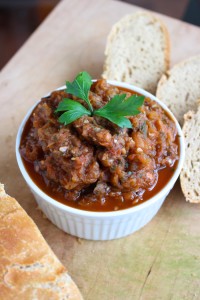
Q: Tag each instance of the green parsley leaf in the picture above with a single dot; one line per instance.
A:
(68, 104)
(116, 110)
(80, 87)
(73, 111)
(119, 120)
(119, 107)
(70, 116)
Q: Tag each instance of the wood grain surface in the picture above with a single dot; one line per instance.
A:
(161, 261)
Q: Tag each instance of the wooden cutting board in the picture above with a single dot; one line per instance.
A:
(161, 261)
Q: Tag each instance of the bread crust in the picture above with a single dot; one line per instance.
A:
(190, 174)
(28, 267)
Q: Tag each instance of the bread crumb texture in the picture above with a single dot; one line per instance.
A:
(180, 87)
(190, 174)
(137, 51)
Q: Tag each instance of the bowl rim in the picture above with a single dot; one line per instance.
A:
(93, 214)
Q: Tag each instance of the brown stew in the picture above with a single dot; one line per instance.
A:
(93, 164)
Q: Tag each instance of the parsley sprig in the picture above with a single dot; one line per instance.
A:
(116, 110)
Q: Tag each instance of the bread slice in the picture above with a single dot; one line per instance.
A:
(29, 270)
(137, 51)
(180, 87)
(190, 174)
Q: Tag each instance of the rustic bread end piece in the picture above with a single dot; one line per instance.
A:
(190, 174)
(28, 267)
(137, 51)
(180, 87)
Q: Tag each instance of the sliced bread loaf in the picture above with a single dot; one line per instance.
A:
(180, 87)
(28, 267)
(137, 51)
(190, 174)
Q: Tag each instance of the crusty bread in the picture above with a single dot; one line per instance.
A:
(137, 51)
(180, 87)
(29, 270)
(190, 174)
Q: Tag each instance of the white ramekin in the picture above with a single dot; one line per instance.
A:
(101, 225)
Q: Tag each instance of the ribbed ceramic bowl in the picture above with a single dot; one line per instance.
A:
(101, 225)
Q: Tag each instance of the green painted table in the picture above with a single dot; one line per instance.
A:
(161, 261)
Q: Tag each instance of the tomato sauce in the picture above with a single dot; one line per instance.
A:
(103, 167)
